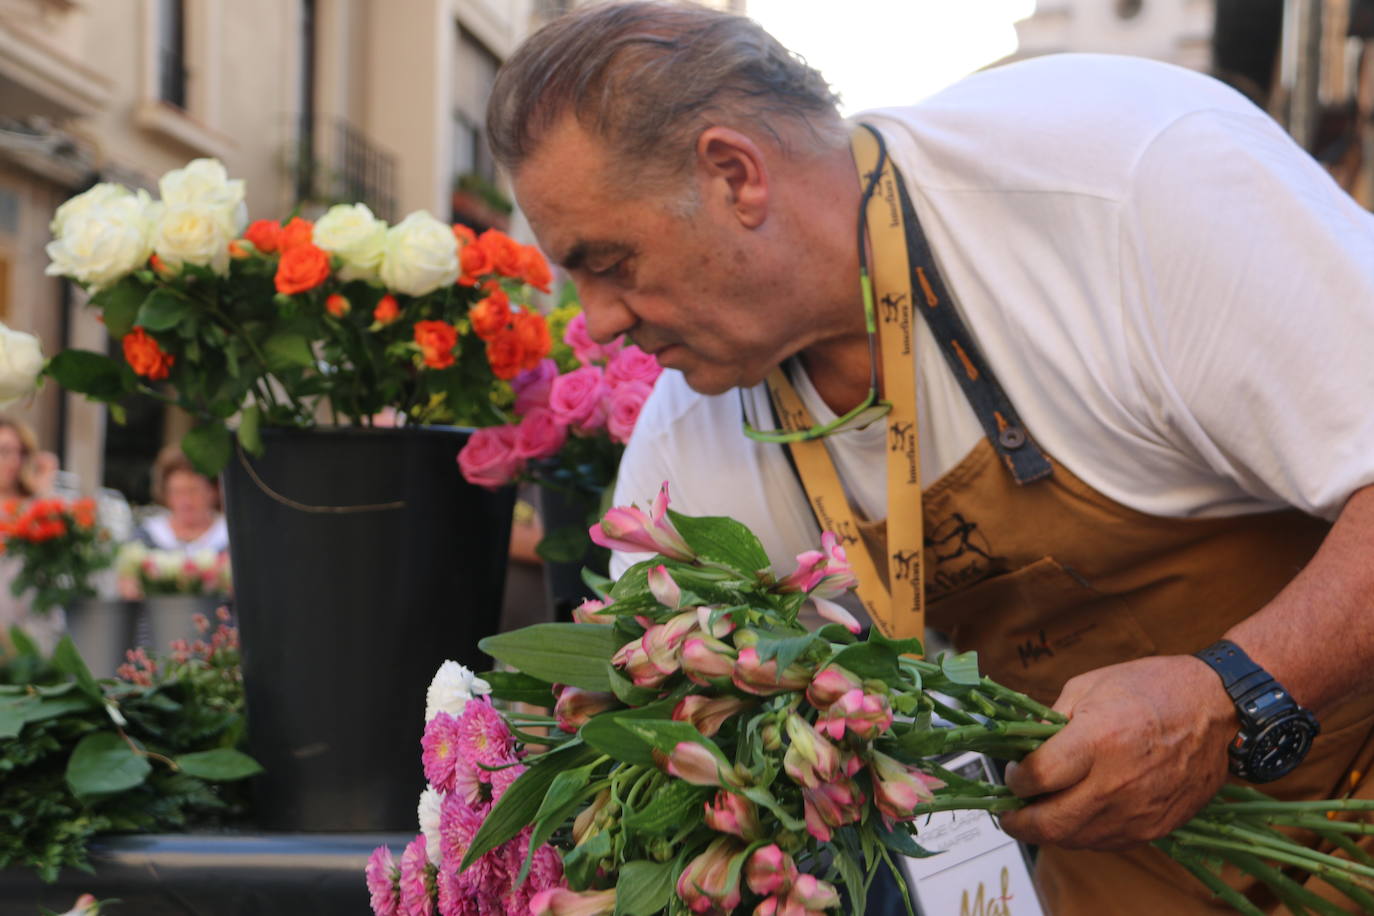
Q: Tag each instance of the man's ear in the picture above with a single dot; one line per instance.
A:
(732, 160)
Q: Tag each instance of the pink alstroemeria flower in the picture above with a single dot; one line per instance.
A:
(734, 814)
(830, 805)
(576, 706)
(664, 589)
(770, 870)
(628, 528)
(824, 573)
(708, 714)
(810, 759)
(707, 661)
(559, 901)
(829, 684)
(813, 894)
(635, 662)
(762, 678)
(707, 885)
(898, 789)
(694, 763)
(867, 715)
(589, 611)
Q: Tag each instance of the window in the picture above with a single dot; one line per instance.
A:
(171, 52)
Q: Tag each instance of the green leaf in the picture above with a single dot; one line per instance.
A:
(869, 660)
(67, 660)
(51, 708)
(564, 796)
(664, 735)
(564, 545)
(220, 765)
(209, 446)
(644, 888)
(599, 584)
(103, 763)
(519, 688)
(961, 668)
(119, 305)
(604, 732)
(288, 350)
(13, 715)
(250, 435)
(560, 653)
(92, 374)
(518, 805)
(900, 842)
(580, 863)
(670, 807)
(625, 690)
(785, 650)
(162, 311)
(721, 540)
(24, 646)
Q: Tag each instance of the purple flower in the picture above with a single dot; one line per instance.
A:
(532, 386)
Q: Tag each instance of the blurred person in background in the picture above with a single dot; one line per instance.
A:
(26, 473)
(192, 522)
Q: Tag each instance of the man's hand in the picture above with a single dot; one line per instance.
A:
(1144, 749)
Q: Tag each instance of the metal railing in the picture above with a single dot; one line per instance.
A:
(336, 163)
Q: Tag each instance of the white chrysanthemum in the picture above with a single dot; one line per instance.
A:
(428, 810)
(452, 687)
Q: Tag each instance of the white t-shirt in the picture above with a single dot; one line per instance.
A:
(214, 538)
(1176, 298)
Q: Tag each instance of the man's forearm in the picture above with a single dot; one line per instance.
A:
(1317, 636)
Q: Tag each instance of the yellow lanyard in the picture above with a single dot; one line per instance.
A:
(899, 610)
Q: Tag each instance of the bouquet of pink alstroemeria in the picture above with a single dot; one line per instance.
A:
(708, 754)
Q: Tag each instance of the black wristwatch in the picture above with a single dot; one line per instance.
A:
(1275, 732)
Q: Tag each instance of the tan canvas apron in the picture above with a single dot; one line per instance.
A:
(1047, 578)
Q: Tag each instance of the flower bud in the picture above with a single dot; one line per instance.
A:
(831, 804)
(664, 589)
(866, 715)
(707, 661)
(772, 736)
(708, 714)
(589, 612)
(634, 660)
(588, 818)
(706, 885)
(810, 759)
(559, 901)
(734, 814)
(694, 763)
(898, 789)
(663, 643)
(829, 684)
(575, 706)
(762, 678)
(770, 870)
(813, 893)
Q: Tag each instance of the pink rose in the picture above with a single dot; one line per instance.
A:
(625, 403)
(540, 434)
(578, 399)
(489, 459)
(532, 386)
(583, 347)
(632, 365)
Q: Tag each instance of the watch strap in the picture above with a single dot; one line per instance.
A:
(1238, 672)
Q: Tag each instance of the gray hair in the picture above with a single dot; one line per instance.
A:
(647, 77)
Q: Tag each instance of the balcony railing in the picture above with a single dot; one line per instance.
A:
(336, 163)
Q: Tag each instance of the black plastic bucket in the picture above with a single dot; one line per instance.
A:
(362, 560)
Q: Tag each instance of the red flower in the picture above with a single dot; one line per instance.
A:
(337, 305)
(533, 332)
(506, 355)
(145, 357)
(302, 268)
(387, 310)
(535, 269)
(475, 262)
(265, 234)
(507, 255)
(296, 233)
(491, 316)
(437, 340)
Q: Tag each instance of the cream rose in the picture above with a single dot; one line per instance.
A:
(103, 239)
(194, 234)
(356, 236)
(21, 359)
(85, 202)
(205, 183)
(421, 255)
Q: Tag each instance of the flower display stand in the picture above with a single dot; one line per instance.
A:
(362, 560)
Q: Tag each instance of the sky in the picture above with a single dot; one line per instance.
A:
(892, 52)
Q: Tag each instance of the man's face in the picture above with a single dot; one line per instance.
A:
(687, 288)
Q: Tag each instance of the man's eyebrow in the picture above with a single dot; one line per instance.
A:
(581, 251)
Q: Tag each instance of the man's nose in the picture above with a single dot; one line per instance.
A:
(608, 315)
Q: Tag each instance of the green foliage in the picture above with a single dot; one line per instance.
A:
(70, 771)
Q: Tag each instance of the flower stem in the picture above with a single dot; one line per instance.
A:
(1226, 892)
(968, 803)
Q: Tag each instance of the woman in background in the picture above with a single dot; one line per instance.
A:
(193, 521)
(25, 474)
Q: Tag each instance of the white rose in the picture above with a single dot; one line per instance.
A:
(130, 558)
(356, 236)
(421, 255)
(452, 687)
(194, 234)
(85, 202)
(21, 359)
(431, 803)
(102, 240)
(205, 183)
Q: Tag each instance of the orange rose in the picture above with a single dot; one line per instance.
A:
(301, 268)
(535, 269)
(145, 357)
(236, 250)
(83, 510)
(533, 332)
(506, 355)
(475, 261)
(464, 234)
(337, 305)
(387, 310)
(505, 252)
(491, 316)
(296, 233)
(437, 340)
(265, 234)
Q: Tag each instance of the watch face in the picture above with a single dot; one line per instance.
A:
(1279, 748)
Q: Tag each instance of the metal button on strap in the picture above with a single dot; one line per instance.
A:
(1012, 437)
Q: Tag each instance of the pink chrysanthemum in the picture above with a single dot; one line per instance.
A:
(467, 782)
(382, 876)
(484, 737)
(440, 746)
(546, 871)
(416, 899)
(458, 824)
(502, 779)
